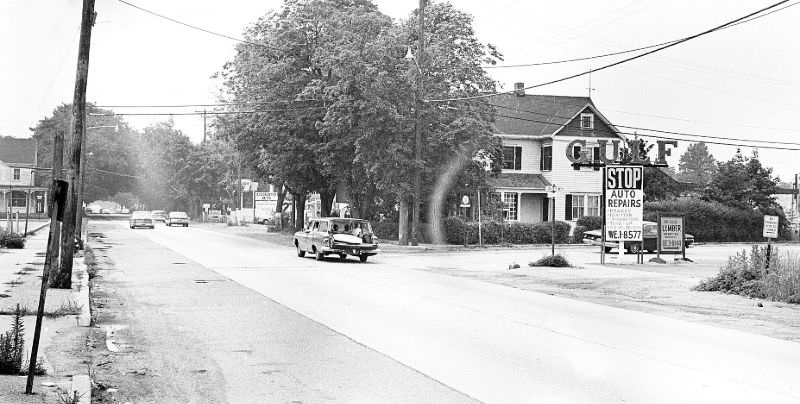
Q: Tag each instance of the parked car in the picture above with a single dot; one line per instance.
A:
(178, 218)
(159, 216)
(141, 218)
(340, 236)
(649, 238)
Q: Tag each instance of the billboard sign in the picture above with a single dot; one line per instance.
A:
(770, 226)
(266, 196)
(624, 202)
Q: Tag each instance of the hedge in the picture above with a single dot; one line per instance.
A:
(456, 229)
(713, 221)
(9, 240)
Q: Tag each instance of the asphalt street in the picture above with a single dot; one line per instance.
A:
(484, 341)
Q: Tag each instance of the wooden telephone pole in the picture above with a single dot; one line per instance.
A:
(415, 230)
(64, 278)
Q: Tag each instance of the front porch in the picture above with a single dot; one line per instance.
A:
(21, 200)
(525, 206)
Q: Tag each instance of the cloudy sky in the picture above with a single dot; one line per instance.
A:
(738, 83)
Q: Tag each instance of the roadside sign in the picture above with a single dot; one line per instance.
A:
(265, 196)
(671, 232)
(624, 203)
(770, 226)
(465, 201)
(552, 191)
(206, 206)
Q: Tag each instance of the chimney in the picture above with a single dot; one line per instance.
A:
(519, 89)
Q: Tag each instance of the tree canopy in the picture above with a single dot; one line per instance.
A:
(743, 182)
(697, 165)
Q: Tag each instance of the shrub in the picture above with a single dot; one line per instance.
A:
(12, 345)
(386, 230)
(747, 276)
(713, 221)
(590, 222)
(551, 261)
(10, 240)
(454, 229)
(577, 234)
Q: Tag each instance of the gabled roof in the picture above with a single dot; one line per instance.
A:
(519, 180)
(538, 115)
(17, 151)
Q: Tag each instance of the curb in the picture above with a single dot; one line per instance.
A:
(458, 247)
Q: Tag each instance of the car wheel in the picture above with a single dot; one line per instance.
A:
(300, 252)
(131, 227)
(186, 225)
(342, 256)
(318, 254)
(363, 258)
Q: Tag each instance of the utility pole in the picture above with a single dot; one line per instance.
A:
(205, 127)
(418, 125)
(79, 215)
(51, 259)
(64, 278)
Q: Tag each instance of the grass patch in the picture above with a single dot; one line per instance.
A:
(12, 345)
(551, 261)
(69, 309)
(91, 261)
(747, 275)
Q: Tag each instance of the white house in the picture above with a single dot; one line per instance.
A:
(18, 191)
(536, 131)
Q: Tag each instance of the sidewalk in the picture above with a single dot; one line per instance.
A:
(61, 339)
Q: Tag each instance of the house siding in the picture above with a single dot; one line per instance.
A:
(531, 154)
(601, 130)
(7, 175)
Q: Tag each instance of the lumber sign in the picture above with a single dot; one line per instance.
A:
(624, 199)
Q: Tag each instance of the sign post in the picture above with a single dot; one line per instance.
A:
(624, 203)
(552, 192)
(770, 232)
(465, 204)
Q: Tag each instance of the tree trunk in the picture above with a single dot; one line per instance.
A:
(299, 211)
(279, 205)
(402, 225)
(326, 200)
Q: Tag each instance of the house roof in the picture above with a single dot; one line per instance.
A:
(535, 115)
(518, 180)
(539, 115)
(17, 151)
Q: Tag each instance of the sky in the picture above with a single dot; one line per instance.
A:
(738, 83)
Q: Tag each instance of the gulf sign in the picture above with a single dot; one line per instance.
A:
(624, 202)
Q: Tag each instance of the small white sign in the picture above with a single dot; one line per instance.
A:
(206, 206)
(671, 234)
(770, 226)
(465, 201)
(265, 196)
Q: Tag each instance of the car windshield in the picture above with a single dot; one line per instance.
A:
(159, 212)
(351, 226)
(141, 215)
(178, 214)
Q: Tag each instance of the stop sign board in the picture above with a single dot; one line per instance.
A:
(624, 202)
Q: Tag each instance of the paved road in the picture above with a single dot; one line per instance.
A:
(500, 344)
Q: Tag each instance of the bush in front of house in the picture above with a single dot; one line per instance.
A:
(551, 261)
(713, 221)
(10, 240)
(454, 229)
(747, 275)
(577, 234)
(590, 222)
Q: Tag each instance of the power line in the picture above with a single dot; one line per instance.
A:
(705, 122)
(628, 50)
(717, 28)
(213, 112)
(662, 137)
(225, 104)
(196, 27)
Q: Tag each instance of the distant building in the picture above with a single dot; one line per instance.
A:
(18, 193)
(536, 131)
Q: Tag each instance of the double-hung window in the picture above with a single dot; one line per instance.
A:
(547, 159)
(593, 205)
(577, 206)
(512, 158)
(16, 174)
(587, 121)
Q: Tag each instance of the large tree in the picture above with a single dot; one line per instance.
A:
(743, 182)
(350, 120)
(697, 165)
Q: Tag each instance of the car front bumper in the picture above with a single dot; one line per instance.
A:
(351, 249)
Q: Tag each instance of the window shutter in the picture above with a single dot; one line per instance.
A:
(517, 158)
(541, 158)
(568, 207)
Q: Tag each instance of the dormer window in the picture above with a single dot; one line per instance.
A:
(587, 121)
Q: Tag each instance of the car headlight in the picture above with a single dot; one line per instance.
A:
(326, 241)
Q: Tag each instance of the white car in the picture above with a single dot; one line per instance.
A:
(177, 218)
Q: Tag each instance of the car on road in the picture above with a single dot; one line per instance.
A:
(337, 236)
(178, 219)
(159, 216)
(141, 218)
(649, 237)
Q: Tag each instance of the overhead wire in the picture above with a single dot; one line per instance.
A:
(706, 32)
(196, 27)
